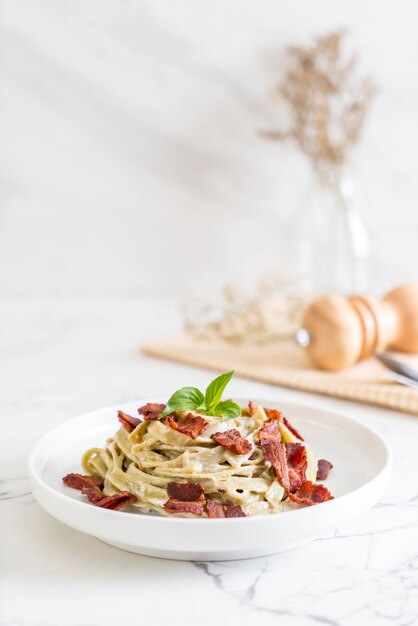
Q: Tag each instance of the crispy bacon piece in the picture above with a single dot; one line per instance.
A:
(297, 463)
(181, 506)
(151, 411)
(269, 440)
(273, 414)
(117, 501)
(289, 461)
(232, 440)
(128, 422)
(93, 494)
(216, 510)
(292, 428)
(78, 481)
(310, 494)
(90, 486)
(233, 510)
(190, 425)
(186, 492)
(185, 498)
(324, 468)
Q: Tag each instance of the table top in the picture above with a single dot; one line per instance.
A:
(61, 359)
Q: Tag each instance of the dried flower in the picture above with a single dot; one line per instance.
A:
(270, 313)
(327, 105)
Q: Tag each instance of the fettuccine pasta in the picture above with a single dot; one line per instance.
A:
(146, 460)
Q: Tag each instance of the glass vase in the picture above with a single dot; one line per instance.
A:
(331, 242)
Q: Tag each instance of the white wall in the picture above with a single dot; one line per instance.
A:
(130, 160)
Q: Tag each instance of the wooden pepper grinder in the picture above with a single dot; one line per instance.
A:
(337, 332)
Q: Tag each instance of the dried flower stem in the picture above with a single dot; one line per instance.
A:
(267, 315)
(328, 107)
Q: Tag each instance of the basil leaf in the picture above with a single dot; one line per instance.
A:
(215, 390)
(228, 410)
(190, 398)
(184, 399)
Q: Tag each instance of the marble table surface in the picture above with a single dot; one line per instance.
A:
(61, 359)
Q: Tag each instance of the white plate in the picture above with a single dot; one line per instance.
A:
(361, 458)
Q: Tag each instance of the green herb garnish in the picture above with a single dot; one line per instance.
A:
(191, 399)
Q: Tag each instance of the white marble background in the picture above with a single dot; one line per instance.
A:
(129, 141)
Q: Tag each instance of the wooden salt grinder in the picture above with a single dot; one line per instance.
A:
(337, 332)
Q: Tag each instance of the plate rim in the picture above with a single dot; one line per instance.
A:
(36, 479)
